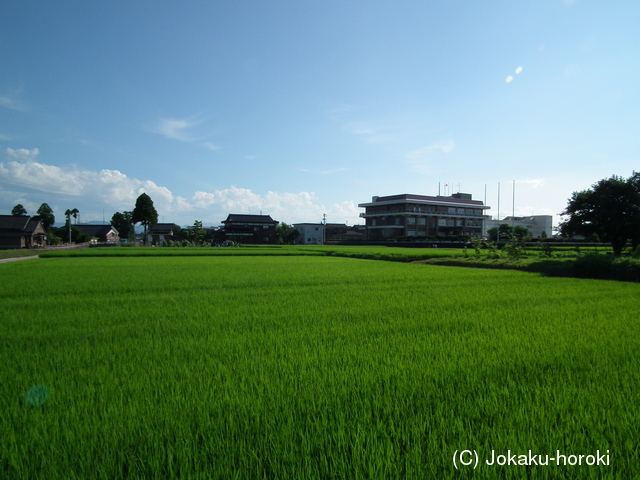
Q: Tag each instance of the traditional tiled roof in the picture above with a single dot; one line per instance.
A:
(96, 230)
(241, 218)
(14, 223)
(162, 229)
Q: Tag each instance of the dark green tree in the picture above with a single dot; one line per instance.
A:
(520, 233)
(196, 234)
(71, 213)
(286, 234)
(123, 222)
(145, 213)
(46, 217)
(18, 211)
(609, 211)
(71, 233)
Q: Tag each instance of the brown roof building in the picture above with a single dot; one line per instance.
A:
(252, 229)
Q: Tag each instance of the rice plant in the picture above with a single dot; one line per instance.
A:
(310, 367)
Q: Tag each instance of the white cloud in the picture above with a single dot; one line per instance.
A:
(184, 130)
(422, 159)
(12, 101)
(211, 146)
(511, 78)
(23, 153)
(92, 192)
(175, 129)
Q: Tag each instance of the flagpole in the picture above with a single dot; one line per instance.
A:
(498, 218)
(513, 215)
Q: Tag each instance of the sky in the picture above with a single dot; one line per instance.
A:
(299, 108)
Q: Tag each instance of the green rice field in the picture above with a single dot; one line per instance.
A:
(306, 366)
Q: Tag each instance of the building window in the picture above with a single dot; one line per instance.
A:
(422, 221)
(397, 220)
(411, 221)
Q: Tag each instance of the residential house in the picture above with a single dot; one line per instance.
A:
(407, 215)
(100, 233)
(161, 232)
(21, 232)
(250, 229)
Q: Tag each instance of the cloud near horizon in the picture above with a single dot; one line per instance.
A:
(92, 192)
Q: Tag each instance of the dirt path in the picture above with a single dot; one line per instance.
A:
(6, 260)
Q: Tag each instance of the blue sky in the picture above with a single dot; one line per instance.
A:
(300, 107)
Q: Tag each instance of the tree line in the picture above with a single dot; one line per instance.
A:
(607, 212)
(143, 213)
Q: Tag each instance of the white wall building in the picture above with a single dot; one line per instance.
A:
(309, 233)
(536, 224)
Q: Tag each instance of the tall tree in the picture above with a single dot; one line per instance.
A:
(18, 211)
(609, 211)
(71, 213)
(286, 234)
(196, 233)
(145, 213)
(123, 222)
(46, 217)
(67, 224)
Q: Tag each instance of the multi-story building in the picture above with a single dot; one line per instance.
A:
(409, 215)
(309, 233)
(254, 229)
(538, 225)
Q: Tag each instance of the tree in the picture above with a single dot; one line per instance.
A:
(286, 234)
(18, 211)
(72, 233)
(123, 222)
(67, 224)
(196, 234)
(520, 233)
(145, 213)
(609, 211)
(46, 217)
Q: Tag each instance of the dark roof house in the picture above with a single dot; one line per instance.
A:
(21, 232)
(100, 233)
(253, 229)
(161, 232)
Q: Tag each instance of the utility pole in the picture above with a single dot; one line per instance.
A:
(324, 225)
